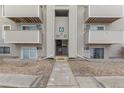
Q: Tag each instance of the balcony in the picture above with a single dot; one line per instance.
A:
(23, 13)
(103, 13)
(23, 37)
(103, 37)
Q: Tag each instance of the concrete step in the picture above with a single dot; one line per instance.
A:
(61, 58)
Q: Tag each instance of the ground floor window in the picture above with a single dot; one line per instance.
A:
(4, 50)
(97, 53)
(29, 53)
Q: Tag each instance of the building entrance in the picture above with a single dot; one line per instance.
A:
(61, 47)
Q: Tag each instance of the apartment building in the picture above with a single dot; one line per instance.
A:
(47, 31)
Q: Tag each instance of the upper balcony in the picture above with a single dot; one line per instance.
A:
(23, 37)
(103, 13)
(103, 37)
(23, 13)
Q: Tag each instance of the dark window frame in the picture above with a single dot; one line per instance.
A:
(96, 53)
(4, 50)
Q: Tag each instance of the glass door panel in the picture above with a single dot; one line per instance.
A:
(25, 53)
(29, 53)
(33, 53)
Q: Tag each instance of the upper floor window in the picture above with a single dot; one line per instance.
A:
(6, 27)
(31, 27)
(101, 27)
(97, 27)
(4, 50)
(28, 27)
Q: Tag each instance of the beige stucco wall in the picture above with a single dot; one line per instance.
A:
(44, 30)
(21, 11)
(50, 26)
(61, 22)
(115, 51)
(105, 11)
(117, 25)
(86, 13)
(0, 10)
(72, 31)
(80, 31)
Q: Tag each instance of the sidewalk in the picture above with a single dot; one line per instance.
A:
(62, 76)
(19, 80)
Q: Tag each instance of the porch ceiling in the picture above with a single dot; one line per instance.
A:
(25, 19)
(101, 20)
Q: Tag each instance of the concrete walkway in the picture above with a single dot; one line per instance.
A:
(111, 81)
(101, 82)
(19, 80)
(88, 82)
(62, 76)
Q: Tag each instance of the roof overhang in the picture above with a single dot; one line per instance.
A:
(26, 19)
(101, 19)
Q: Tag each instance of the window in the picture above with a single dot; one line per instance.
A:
(100, 28)
(29, 27)
(4, 50)
(97, 53)
(97, 27)
(6, 27)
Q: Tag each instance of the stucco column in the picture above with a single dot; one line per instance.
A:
(50, 40)
(73, 31)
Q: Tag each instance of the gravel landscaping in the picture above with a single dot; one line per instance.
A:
(86, 68)
(40, 67)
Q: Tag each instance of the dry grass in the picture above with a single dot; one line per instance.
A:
(85, 68)
(43, 67)
(31, 68)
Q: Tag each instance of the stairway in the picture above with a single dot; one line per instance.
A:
(61, 58)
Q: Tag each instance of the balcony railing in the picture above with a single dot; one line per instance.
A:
(103, 37)
(23, 37)
(23, 13)
(103, 13)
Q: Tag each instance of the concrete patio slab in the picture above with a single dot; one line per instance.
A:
(61, 76)
(87, 82)
(17, 80)
(111, 81)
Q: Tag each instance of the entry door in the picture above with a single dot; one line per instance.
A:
(29, 53)
(62, 47)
